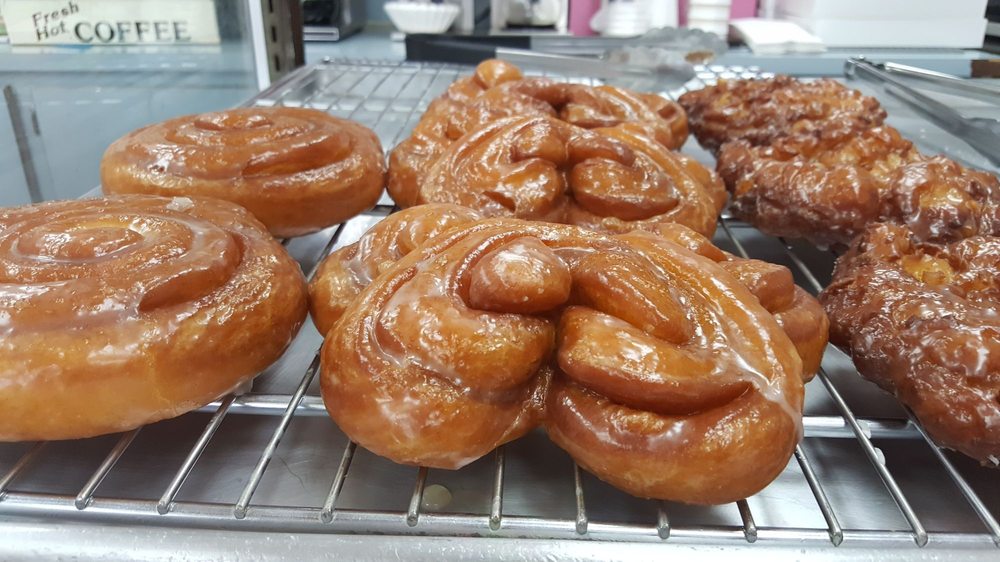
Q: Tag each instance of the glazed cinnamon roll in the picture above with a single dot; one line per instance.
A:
(920, 320)
(761, 110)
(297, 170)
(122, 311)
(691, 394)
(539, 168)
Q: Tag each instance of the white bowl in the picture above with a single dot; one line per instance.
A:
(410, 17)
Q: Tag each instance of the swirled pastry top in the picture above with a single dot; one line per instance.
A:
(798, 313)
(829, 185)
(613, 179)
(297, 170)
(498, 90)
(669, 379)
(448, 118)
(346, 272)
(921, 321)
(607, 106)
(121, 311)
(761, 110)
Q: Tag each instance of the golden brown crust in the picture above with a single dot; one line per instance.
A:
(941, 200)
(449, 117)
(829, 185)
(124, 311)
(487, 74)
(297, 170)
(344, 273)
(920, 320)
(798, 313)
(761, 110)
(497, 90)
(540, 168)
(607, 106)
(450, 352)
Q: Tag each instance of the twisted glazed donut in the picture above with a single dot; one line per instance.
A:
(498, 90)
(539, 168)
(297, 170)
(829, 185)
(346, 272)
(761, 110)
(668, 378)
(123, 311)
(920, 320)
(798, 313)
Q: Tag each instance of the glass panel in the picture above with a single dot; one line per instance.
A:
(64, 104)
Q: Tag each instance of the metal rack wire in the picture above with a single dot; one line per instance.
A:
(389, 97)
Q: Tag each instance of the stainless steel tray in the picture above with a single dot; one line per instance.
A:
(265, 473)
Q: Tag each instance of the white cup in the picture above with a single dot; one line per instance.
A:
(709, 15)
(625, 18)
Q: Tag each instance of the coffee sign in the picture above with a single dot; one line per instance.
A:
(110, 22)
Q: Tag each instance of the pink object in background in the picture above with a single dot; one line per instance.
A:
(580, 12)
(738, 9)
(743, 9)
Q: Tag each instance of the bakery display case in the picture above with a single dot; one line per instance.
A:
(64, 103)
(264, 472)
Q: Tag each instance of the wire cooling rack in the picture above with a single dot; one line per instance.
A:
(865, 481)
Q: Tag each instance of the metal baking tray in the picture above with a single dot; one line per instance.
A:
(265, 473)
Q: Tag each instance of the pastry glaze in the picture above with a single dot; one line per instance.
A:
(658, 371)
(297, 170)
(607, 106)
(798, 313)
(448, 118)
(123, 311)
(346, 272)
(610, 179)
(920, 320)
(498, 90)
(829, 185)
(761, 110)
